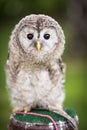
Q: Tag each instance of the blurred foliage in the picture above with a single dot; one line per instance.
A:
(77, 14)
(10, 8)
(76, 75)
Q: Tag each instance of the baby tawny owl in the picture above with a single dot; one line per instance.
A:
(34, 69)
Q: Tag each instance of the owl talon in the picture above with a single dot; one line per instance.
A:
(26, 109)
(55, 107)
(15, 110)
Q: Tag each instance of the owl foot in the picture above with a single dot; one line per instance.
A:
(15, 110)
(27, 109)
(55, 107)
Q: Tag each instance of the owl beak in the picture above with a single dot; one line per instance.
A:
(38, 45)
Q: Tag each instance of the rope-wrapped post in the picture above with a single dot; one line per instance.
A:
(39, 119)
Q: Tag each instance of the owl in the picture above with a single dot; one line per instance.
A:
(35, 72)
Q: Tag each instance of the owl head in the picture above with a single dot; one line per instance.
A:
(39, 37)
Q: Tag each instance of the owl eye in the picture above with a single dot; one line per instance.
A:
(46, 36)
(30, 36)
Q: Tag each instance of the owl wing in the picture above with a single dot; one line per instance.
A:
(62, 66)
(56, 70)
(11, 67)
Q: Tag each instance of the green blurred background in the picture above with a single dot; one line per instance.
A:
(72, 16)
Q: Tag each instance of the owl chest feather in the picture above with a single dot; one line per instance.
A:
(41, 80)
(36, 85)
(38, 80)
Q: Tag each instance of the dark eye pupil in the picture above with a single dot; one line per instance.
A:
(29, 36)
(46, 36)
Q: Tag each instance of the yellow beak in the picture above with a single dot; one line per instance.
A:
(38, 45)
